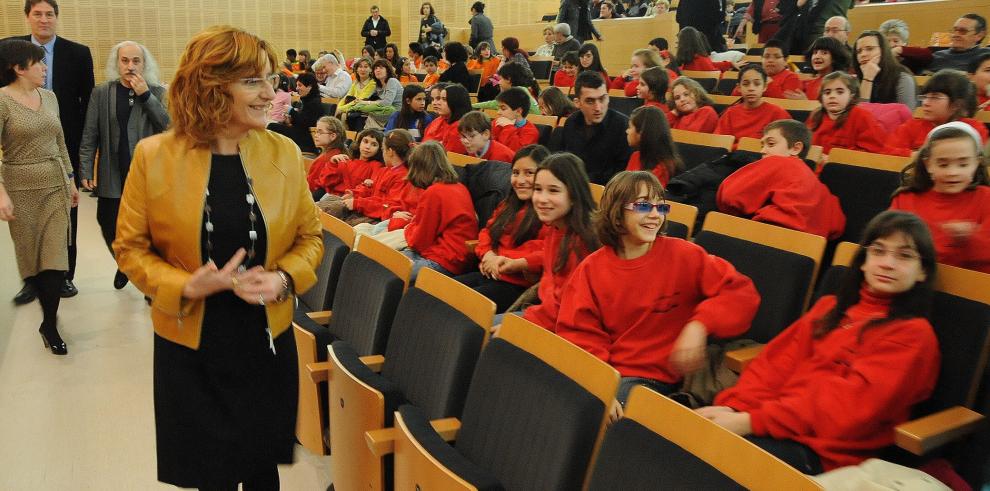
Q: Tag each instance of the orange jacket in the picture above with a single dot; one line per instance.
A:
(158, 230)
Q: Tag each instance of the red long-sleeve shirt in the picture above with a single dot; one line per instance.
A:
(385, 198)
(409, 201)
(531, 250)
(445, 133)
(515, 137)
(839, 395)
(740, 121)
(859, 132)
(911, 134)
(444, 220)
(629, 86)
(783, 191)
(703, 120)
(326, 174)
(659, 170)
(936, 209)
(705, 64)
(357, 170)
(812, 87)
(676, 282)
(552, 283)
(562, 79)
(499, 152)
(663, 108)
(782, 82)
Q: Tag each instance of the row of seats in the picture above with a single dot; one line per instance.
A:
(493, 441)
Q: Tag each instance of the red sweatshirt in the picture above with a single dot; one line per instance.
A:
(531, 250)
(839, 395)
(357, 170)
(499, 152)
(705, 64)
(782, 191)
(812, 87)
(740, 121)
(326, 174)
(662, 107)
(515, 137)
(704, 120)
(659, 170)
(445, 133)
(561, 79)
(911, 134)
(444, 220)
(629, 86)
(386, 193)
(782, 82)
(408, 201)
(937, 209)
(859, 132)
(551, 283)
(676, 282)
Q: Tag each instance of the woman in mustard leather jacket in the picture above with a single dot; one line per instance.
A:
(217, 227)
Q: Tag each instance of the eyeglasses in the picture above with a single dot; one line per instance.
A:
(902, 255)
(257, 82)
(932, 97)
(646, 207)
(835, 30)
(962, 30)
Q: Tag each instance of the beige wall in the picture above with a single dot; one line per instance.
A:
(166, 25)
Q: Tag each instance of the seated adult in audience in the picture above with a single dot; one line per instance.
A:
(979, 74)
(336, 81)
(512, 53)
(947, 96)
(829, 390)
(838, 28)
(393, 57)
(607, 11)
(827, 55)
(546, 49)
(553, 102)
(913, 58)
(881, 78)
(564, 41)
(457, 56)
(362, 88)
(658, 7)
(303, 115)
(597, 134)
(967, 34)
(634, 8)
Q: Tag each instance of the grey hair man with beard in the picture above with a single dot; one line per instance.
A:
(128, 107)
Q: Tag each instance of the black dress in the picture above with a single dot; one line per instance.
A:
(228, 409)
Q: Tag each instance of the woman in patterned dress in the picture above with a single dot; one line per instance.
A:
(36, 181)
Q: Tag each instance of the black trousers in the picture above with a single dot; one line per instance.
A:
(73, 218)
(106, 216)
(502, 293)
(791, 452)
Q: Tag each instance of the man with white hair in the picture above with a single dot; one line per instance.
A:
(838, 28)
(565, 42)
(122, 111)
(333, 80)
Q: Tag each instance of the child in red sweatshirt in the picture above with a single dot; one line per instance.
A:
(945, 97)
(564, 78)
(655, 151)
(692, 53)
(326, 176)
(453, 103)
(780, 188)
(357, 168)
(444, 218)
(562, 200)
(840, 122)
(784, 84)
(950, 191)
(693, 109)
(652, 89)
(641, 60)
(370, 204)
(511, 128)
(476, 135)
(510, 246)
(979, 73)
(647, 304)
(829, 390)
(751, 114)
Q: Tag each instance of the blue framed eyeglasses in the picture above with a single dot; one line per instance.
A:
(646, 207)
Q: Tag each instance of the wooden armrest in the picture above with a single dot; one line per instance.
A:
(924, 434)
(374, 362)
(736, 360)
(319, 372)
(322, 318)
(382, 442)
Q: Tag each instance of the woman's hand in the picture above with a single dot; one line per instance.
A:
(689, 349)
(257, 286)
(340, 157)
(6, 206)
(738, 423)
(74, 192)
(207, 279)
(88, 184)
(871, 68)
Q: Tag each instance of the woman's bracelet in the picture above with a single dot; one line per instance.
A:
(286, 286)
(870, 80)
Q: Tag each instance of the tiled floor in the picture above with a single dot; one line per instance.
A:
(85, 421)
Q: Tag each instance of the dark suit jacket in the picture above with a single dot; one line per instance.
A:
(72, 83)
(379, 41)
(603, 147)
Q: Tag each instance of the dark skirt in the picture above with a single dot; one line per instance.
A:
(228, 409)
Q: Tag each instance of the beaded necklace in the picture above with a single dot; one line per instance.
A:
(252, 216)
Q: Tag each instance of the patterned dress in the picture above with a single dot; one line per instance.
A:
(34, 170)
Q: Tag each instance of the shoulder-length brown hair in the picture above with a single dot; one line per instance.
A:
(199, 97)
(428, 164)
(624, 188)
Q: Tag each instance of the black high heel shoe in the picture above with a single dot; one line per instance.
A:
(53, 341)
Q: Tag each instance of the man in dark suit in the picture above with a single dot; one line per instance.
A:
(70, 76)
(375, 29)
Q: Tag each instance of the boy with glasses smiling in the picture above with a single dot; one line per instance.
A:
(967, 34)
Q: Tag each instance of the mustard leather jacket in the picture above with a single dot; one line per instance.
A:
(161, 216)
